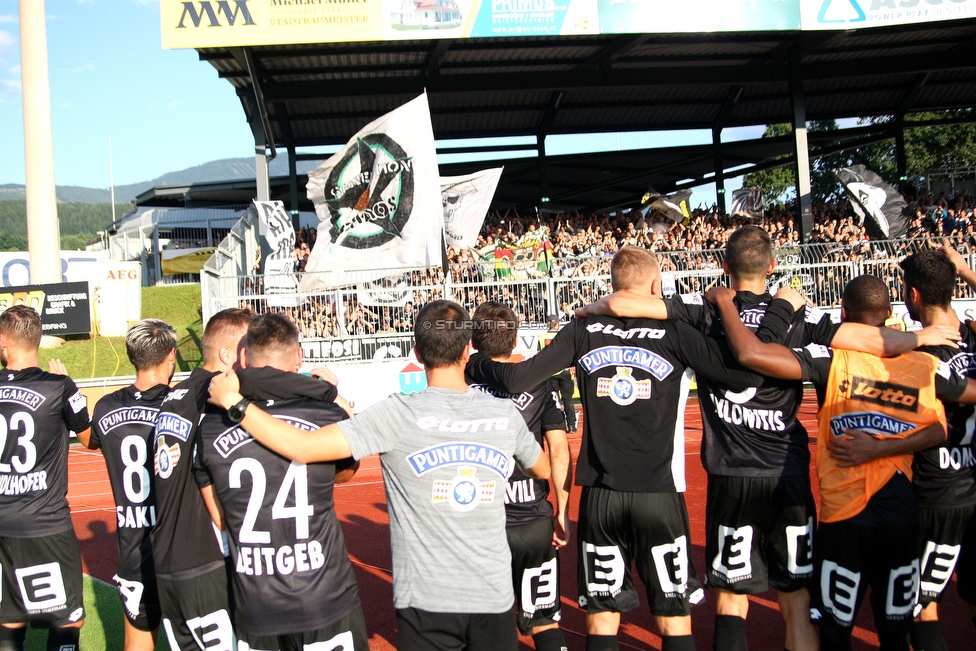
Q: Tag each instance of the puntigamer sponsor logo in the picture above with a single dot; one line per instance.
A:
(215, 13)
(173, 425)
(887, 394)
(460, 453)
(30, 399)
(127, 416)
(871, 422)
(629, 356)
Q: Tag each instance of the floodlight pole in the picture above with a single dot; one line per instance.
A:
(803, 191)
(719, 170)
(43, 229)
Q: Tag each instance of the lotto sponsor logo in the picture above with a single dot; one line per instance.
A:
(462, 426)
(887, 394)
(632, 333)
(173, 425)
(869, 421)
(30, 399)
(287, 559)
(32, 482)
(127, 416)
(176, 394)
(606, 356)
(460, 453)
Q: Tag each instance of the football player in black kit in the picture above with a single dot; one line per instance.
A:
(122, 426)
(39, 558)
(760, 512)
(634, 376)
(294, 586)
(944, 476)
(191, 575)
(533, 535)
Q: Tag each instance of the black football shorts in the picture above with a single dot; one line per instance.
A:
(41, 581)
(948, 543)
(759, 532)
(616, 527)
(535, 573)
(347, 634)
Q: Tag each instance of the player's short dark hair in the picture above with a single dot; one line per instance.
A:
(631, 266)
(495, 329)
(269, 333)
(442, 330)
(749, 252)
(149, 342)
(866, 300)
(932, 273)
(23, 324)
(234, 318)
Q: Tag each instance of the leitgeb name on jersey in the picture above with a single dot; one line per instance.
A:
(632, 356)
(31, 482)
(30, 399)
(127, 416)
(871, 422)
(284, 560)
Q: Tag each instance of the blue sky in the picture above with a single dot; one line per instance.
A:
(165, 110)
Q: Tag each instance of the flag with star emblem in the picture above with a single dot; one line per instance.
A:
(379, 201)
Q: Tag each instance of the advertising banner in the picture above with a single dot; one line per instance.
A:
(185, 261)
(64, 307)
(855, 14)
(15, 265)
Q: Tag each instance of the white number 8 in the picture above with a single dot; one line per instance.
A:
(135, 477)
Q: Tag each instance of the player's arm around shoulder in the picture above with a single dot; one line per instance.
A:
(626, 304)
(324, 444)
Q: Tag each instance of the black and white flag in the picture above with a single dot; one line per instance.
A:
(882, 210)
(379, 201)
(276, 229)
(466, 200)
(747, 202)
(674, 207)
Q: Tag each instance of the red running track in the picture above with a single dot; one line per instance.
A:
(361, 506)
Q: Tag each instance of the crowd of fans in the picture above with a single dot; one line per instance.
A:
(582, 245)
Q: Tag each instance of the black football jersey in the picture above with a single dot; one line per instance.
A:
(753, 433)
(292, 572)
(945, 476)
(184, 540)
(633, 377)
(37, 410)
(527, 499)
(122, 426)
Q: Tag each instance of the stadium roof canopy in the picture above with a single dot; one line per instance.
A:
(306, 95)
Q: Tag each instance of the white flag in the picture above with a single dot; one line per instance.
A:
(274, 225)
(378, 199)
(466, 201)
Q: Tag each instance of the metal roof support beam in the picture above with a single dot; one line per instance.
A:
(436, 56)
(261, 128)
(540, 141)
(801, 150)
(900, 160)
(719, 170)
(293, 186)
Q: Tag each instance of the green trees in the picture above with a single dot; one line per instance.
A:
(80, 223)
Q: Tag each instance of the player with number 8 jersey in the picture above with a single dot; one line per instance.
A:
(122, 427)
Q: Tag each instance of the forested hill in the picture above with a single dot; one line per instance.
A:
(80, 223)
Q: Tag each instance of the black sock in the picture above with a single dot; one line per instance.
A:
(63, 639)
(601, 643)
(678, 643)
(730, 634)
(893, 641)
(927, 636)
(12, 639)
(550, 640)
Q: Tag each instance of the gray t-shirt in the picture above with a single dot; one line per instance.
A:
(446, 457)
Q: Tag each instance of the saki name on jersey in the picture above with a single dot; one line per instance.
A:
(131, 516)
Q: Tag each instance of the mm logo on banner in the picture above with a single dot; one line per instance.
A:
(213, 10)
